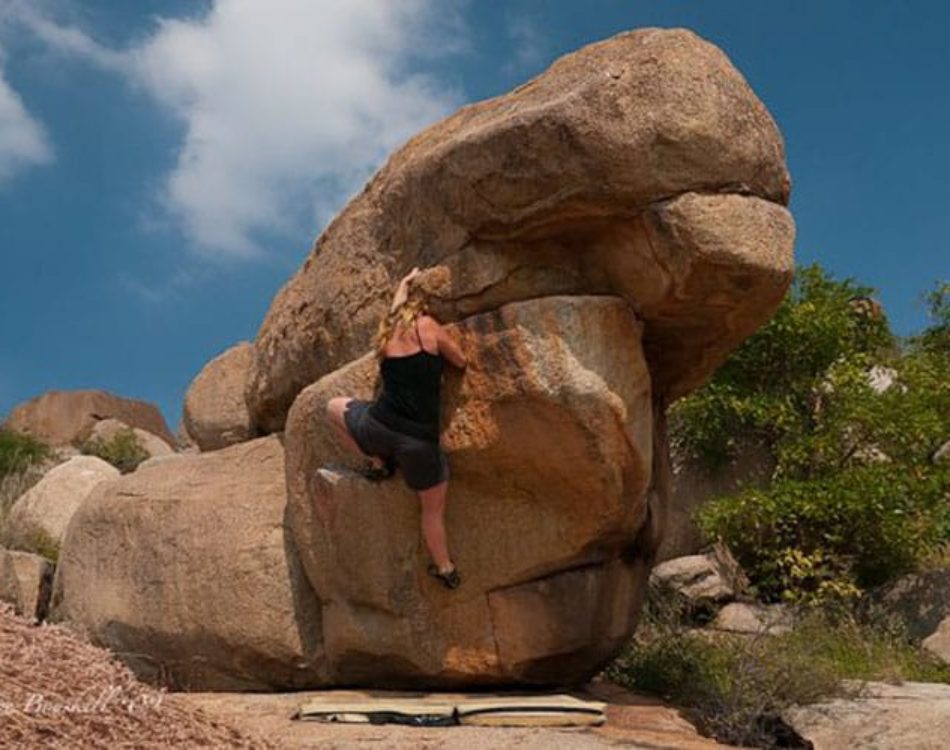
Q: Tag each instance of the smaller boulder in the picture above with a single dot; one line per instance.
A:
(942, 455)
(108, 429)
(703, 581)
(215, 415)
(185, 570)
(62, 417)
(921, 603)
(25, 582)
(46, 508)
(938, 642)
(753, 619)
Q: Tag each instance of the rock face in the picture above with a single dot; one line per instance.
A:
(549, 432)
(60, 417)
(938, 642)
(108, 429)
(215, 415)
(642, 166)
(694, 484)
(185, 570)
(921, 602)
(51, 503)
(887, 717)
(25, 582)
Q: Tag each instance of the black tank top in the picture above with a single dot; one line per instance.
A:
(409, 402)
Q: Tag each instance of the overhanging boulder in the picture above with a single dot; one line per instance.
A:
(642, 166)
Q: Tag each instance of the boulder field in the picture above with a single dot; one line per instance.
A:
(599, 240)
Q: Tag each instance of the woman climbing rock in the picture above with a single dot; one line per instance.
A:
(400, 429)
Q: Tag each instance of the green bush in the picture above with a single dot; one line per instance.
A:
(123, 450)
(29, 538)
(17, 452)
(854, 498)
(767, 388)
(861, 526)
(936, 338)
(735, 686)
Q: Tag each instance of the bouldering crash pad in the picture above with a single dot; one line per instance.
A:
(428, 710)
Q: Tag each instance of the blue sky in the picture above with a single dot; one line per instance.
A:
(165, 165)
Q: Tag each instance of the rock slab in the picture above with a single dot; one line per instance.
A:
(185, 570)
(912, 716)
(702, 581)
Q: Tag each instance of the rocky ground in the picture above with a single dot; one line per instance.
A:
(60, 691)
(633, 721)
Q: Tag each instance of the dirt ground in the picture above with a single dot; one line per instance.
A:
(57, 690)
(633, 721)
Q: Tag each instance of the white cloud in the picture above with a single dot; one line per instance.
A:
(286, 105)
(65, 39)
(529, 45)
(23, 141)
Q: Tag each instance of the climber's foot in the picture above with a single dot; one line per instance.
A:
(378, 469)
(450, 578)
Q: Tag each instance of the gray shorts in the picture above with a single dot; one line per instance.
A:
(423, 463)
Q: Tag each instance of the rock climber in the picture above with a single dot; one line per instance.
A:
(400, 428)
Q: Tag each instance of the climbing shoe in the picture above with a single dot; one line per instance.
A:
(379, 473)
(450, 580)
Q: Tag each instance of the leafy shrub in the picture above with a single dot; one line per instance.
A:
(862, 526)
(30, 538)
(936, 338)
(12, 487)
(735, 687)
(767, 387)
(852, 420)
(17, 452)
(123, 450)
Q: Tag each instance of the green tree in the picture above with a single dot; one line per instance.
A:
(853, 418)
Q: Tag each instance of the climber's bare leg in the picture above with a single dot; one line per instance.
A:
(335, 408)
(433, 525)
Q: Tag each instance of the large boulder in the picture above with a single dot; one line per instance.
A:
(215, 414)
(185, 570)
(550, 437)
(884, 717)
(642, 166)
(49, 505)
(62, 417)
